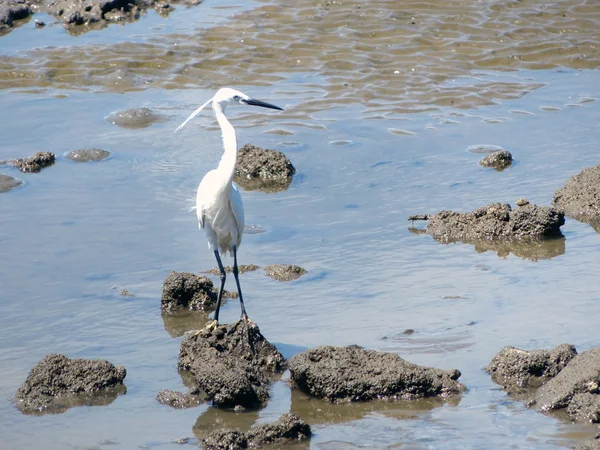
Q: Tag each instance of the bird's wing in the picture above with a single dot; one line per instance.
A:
(235, 201)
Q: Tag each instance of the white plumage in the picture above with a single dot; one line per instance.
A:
(218, 201)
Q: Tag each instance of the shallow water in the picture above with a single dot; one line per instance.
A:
(371, 147)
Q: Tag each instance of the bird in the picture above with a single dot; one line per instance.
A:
(219, 204)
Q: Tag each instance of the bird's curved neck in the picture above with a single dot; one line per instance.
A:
(229, 158)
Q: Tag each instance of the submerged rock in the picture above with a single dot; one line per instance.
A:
(8, 183)
(513, 367)
(497, 221)
(263, 169)
(498, 160)
(178, 400)
(284, 272)
(11, 10)
(184, 290)
(57, 383)
(231, 364)
(87, 154)
(348, 374)
(576, 389)
(242, 268)
(134, 118)
(289, 428)
(34, 163)
(580, 197)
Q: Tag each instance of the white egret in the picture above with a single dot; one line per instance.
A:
(218, 201)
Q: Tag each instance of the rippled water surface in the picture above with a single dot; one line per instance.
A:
(384, 103)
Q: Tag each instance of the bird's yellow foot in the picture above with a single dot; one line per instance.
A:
(210, 326)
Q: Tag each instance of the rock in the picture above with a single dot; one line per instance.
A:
(522, 202)
(348, 374)
(178, 400)
(231, 363)
(8, 183)
(11, 10)
(134, 118)
(498, 160)
(85, 12)
(497, 221)
(87, 154)
(289, 428)
(34, 163)
(241, 269)
(225, 440)
(576, 389)
(184, 290)
(263, 169)
(591, 445)
(580, 197)
(57, 383)
(513, 367)
(418, 217)
(284, 272)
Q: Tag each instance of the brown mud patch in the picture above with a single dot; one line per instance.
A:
(87, 155)
(8, 183)
(368, 53)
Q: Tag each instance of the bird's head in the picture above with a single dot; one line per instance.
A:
(228, 96)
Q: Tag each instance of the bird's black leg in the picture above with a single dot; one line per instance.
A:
(237, 281)
(222, 276)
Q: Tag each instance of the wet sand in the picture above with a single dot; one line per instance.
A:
(370, 147)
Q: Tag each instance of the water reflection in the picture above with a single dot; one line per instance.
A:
(178, 323)
(531, 250)
(315, 411)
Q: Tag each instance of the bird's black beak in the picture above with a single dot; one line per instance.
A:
(254, 102)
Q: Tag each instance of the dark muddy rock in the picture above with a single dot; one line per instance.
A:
(516, 368)
(591, 445)
(86, 12)
(184, 290)
(576, 389)
(134, 118)
(289, 428)
(497, 160)
(231, 364)
(284, 272)
(241, 269)
(349, 374)
(263, 169)
(57, 383)
(178, 400)
(87, 154)
(580, 197)
(34, 163)
(497, 221)
(11, 10)
(225, 440)
(8, 183)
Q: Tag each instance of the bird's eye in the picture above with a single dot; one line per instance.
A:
(236, 98)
